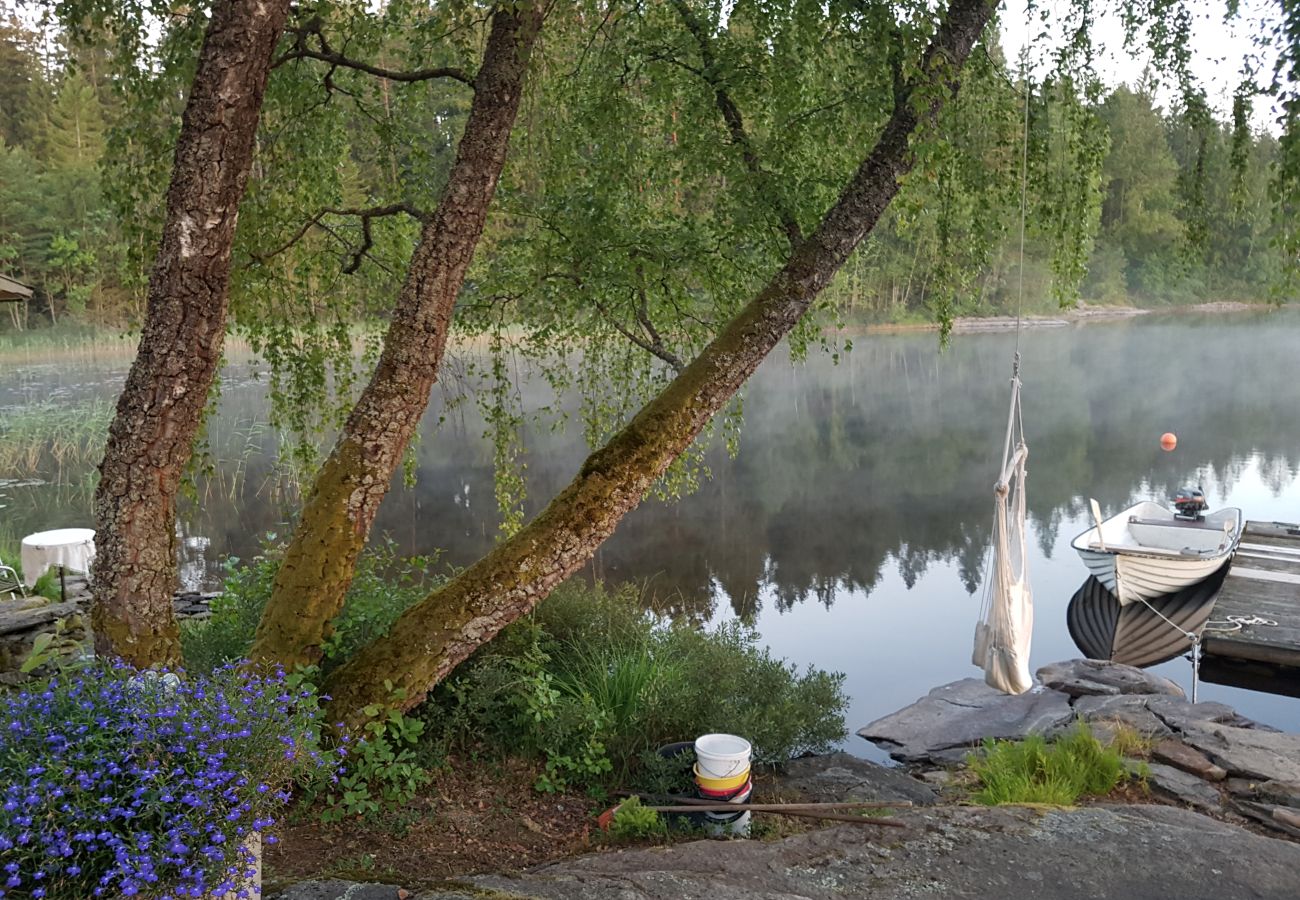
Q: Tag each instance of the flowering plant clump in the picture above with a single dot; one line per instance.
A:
(116, 783)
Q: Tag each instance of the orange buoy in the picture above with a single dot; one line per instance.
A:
(1168, 441)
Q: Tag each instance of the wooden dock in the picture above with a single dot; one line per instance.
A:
(1263, 583)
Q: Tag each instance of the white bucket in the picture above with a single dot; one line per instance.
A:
(721, 755)
(717, 824)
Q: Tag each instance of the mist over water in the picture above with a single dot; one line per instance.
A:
(852, 529)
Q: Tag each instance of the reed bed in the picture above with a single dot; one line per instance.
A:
(53, 440)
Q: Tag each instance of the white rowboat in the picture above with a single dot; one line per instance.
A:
(1147, 551)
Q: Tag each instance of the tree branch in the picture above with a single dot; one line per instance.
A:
(736, 123)
(325, 53)
(657, 345)
(367, 239)
(654, 346)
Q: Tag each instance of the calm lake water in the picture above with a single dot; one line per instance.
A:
(852, 529)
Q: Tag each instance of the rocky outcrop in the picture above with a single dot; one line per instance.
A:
(840, 777)
(1180, 756)
(1090, 677)
(1137, 853)
(1209, 759)
(23, 620)
(946, 724)
(334, 889)
(1205, 755)
(1247, 752)
(1182, 787)
(1130, 852)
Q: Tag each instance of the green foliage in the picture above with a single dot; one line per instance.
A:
(592, 685)
(632, 821)
(43, 650)
(384, 586)
(47, 585)
(227, 634)
(1034, 771)
(381, 771)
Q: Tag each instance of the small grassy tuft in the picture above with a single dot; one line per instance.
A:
(1034, 771)
(1127, 740)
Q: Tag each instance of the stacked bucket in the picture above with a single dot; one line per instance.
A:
(722, 775)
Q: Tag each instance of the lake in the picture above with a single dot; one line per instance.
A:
(852, 528)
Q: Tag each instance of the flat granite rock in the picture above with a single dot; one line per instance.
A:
(1282, 793)
(952, 718)
(1183, 787)
(1128, 852)
(1194, 762)
(1127, 709)
(1091, 677)
(1248, 752)
(335, 889)
(840, 777)
(1181, 715)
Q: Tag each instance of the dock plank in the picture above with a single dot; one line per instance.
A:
(1284, 530)
(1244, 560)
(1263, 580)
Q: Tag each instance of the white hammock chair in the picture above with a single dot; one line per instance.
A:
(1006, 623)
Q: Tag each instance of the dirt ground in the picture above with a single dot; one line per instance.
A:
(475, 817)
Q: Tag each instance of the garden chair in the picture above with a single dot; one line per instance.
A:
(9, 580)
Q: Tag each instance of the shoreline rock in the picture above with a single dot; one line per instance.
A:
(1129, 852)
(1081, 315)
(1207, 755)
(1135, 852)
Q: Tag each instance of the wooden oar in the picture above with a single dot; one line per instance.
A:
(687, 805)
(722, 806)
(1096, 515)
(780, 809)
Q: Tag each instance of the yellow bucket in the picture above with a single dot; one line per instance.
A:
(730, 783)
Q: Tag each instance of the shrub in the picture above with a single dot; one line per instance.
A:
(593, 685)
(382, 771)
(1034, 771)
(122, 784)
(632, 821)
(385, 584)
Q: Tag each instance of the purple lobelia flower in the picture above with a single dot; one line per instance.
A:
(116, 783)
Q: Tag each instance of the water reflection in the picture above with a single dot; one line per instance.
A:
(852, 527)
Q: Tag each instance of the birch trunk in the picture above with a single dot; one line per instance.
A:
(158, 413)
(321, 558)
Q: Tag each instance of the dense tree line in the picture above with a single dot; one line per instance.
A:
(1184, 212)
(57, 228)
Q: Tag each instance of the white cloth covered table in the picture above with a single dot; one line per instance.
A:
(72, 548)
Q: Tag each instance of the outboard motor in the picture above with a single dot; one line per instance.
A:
(1190, 503)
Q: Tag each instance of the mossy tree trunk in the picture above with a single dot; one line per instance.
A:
(435, 635)
(321, 558)
(159, 411)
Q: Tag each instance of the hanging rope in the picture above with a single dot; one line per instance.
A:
(1005, 629)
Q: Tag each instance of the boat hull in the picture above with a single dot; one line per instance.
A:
(1135, 578)
(1135, 573)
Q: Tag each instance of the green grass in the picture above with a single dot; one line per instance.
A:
(50, 439)
(64, 341)
(1058, 773)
